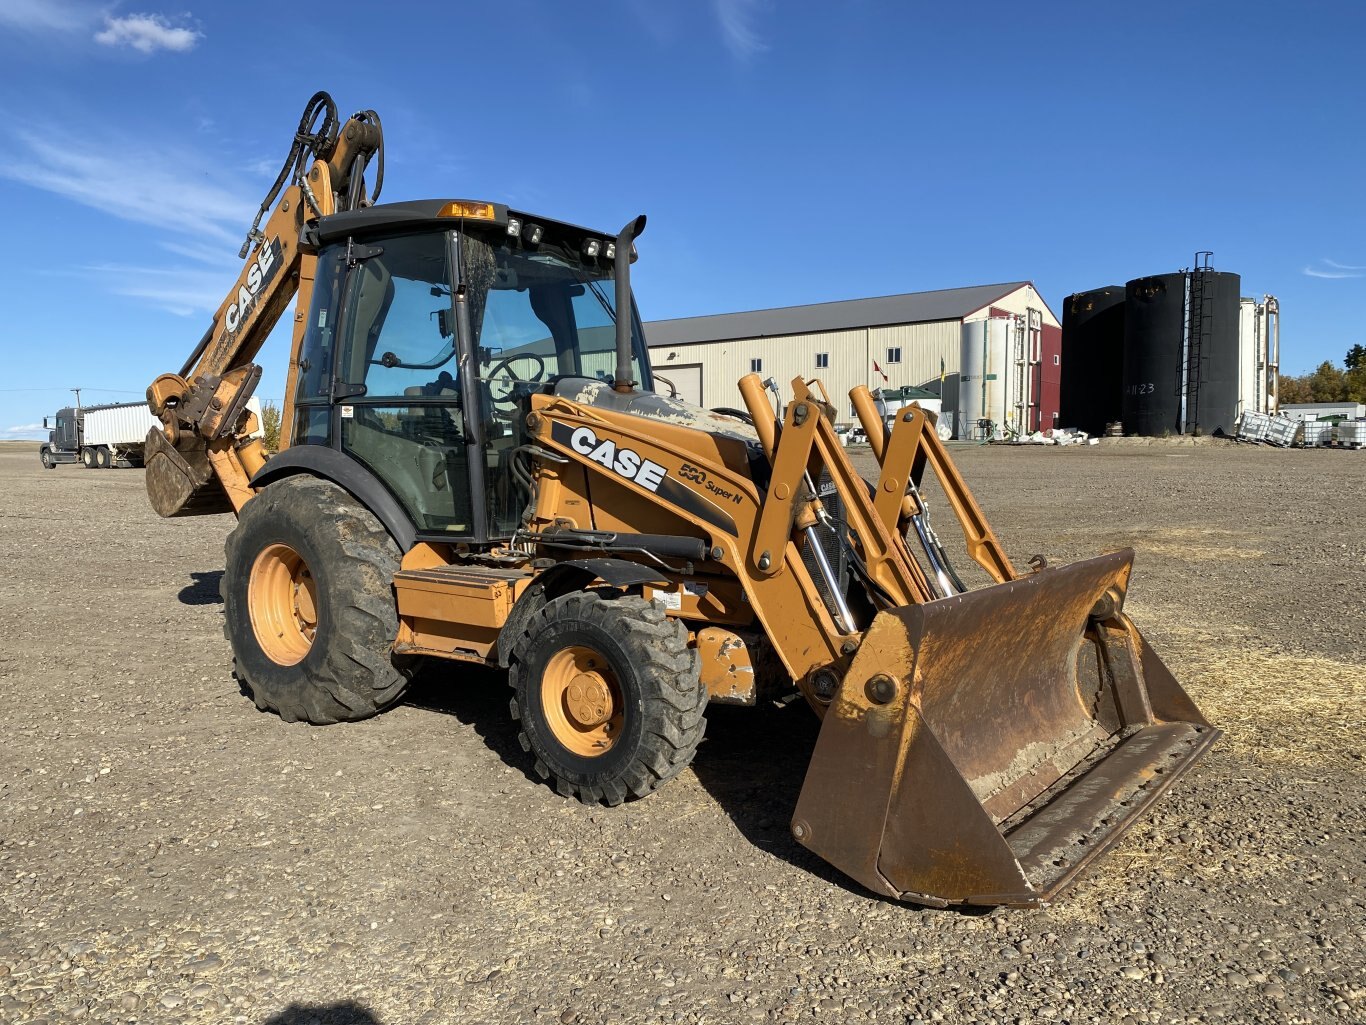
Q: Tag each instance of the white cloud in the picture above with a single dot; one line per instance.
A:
(46, 15)
(147, 33)
(182, 291)
(202, 252)
(23, 432)
(736, 18)
(265, 167)
(1331, 270)
(131, 180)
(201, 215)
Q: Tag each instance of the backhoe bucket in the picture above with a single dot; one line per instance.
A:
(983, 748)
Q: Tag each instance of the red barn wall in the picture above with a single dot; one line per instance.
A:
(1050, 376)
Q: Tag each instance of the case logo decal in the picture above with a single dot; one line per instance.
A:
(622, 461)
(259, 274)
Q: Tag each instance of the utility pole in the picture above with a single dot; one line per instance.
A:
(78, 398)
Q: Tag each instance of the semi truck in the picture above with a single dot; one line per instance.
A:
(101, 437)
(98, 437)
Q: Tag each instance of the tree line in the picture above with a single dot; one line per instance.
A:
(1329, 382)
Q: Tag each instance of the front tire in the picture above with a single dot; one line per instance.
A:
(309, 604)
(48, 462)
(608, 695)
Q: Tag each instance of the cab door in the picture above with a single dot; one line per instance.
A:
(396, 402)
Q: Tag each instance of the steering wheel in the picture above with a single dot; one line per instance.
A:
(511, 380)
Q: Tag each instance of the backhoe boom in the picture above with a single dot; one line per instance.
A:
(205, 459)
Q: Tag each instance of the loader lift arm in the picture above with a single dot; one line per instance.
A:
(203, 458)
(980, 747)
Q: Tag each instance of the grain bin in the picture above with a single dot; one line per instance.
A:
(1154, 330)
(993, 385)
(1092, 359)
(1213, 389)
(1259, 353)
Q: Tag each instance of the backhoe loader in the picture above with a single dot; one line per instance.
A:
(476, 468)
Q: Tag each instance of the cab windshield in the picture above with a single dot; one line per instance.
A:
(540, 312)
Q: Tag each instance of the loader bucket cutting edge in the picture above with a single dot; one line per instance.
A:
(985, 747)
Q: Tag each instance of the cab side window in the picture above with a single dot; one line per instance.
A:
(399, 335)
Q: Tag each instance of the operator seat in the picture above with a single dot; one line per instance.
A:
(434, 422)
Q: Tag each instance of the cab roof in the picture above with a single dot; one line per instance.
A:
(414, 215)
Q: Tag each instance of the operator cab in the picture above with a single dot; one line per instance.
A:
(431, 325)
(64, 430)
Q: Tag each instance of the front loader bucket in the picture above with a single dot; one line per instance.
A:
(983, 748)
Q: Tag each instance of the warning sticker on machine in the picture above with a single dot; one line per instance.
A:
(673, 600)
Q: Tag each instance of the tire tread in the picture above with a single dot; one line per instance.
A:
(358, 677)
(674, 697)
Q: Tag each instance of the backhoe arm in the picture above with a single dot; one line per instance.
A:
(203, 458)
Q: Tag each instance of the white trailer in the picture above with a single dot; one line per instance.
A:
(120, 431)
(100, 437)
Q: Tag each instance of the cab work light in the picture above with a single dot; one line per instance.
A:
(465, 208)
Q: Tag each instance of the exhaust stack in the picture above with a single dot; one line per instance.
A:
(622, 277)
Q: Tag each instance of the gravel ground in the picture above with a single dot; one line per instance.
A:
(169, 854)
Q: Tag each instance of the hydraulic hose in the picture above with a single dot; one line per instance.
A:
(308, 142)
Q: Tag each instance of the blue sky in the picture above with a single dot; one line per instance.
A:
(785, 152)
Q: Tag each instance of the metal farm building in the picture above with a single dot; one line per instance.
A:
(912, 339)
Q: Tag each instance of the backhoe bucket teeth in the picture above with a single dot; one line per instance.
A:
(983, 748)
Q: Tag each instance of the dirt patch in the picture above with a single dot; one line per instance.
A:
(170, 854)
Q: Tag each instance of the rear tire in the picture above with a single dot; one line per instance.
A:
(608, 695)
(48, 462)
(102, 458)
(309, 605)
(88, 458)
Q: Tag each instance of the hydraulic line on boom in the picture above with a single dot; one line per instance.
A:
(203, 460)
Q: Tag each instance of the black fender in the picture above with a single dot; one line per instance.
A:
(562, 578)
(348, 474)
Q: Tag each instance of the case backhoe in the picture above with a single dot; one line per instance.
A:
(477, 469)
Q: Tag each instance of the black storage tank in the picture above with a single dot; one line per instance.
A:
(1212, 400)
(1154, 331)
(1092, 359)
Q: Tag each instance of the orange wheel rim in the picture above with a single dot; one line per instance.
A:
(582, 701)
(283, 600)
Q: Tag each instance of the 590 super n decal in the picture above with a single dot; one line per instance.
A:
(630, 465)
